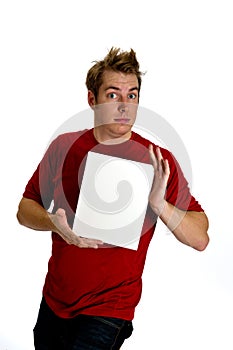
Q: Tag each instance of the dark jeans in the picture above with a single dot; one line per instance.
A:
(82, 332)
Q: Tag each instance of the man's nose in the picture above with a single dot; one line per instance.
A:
(122, 104)
(122, 108)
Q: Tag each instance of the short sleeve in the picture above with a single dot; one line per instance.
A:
(40, 186)
(178, 191)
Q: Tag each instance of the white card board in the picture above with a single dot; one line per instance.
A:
(113, 200)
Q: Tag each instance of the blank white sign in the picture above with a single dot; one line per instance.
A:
(113, 200)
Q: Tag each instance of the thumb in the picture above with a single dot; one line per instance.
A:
(60, 212)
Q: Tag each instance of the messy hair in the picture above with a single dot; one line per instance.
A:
(117, 61)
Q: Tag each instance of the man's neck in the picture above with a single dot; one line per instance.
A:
(110, 139)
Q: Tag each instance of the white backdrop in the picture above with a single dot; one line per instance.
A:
(186, 49)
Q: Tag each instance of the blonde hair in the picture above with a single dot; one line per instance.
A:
(116, 60)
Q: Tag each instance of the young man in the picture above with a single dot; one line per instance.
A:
(90, 295)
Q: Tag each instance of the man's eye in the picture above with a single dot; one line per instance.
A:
(132, 96)
(112, 95)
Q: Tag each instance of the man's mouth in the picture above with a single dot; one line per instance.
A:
(122, 120)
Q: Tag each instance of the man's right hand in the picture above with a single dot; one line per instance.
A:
(31, 214)
(59, 220)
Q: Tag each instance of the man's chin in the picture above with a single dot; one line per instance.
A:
(118, 131)
(121, 128)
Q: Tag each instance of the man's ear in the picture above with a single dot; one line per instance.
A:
(91, 99)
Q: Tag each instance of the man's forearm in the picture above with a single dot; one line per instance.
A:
(31, 214)
(188, 227)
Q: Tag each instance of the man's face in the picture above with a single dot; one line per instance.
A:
(116, 104)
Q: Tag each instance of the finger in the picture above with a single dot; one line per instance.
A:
(61, 216)
(94, 243)
(61, 212)
(162, 162)
(166, 167)
(89, 243)
(152, 156)
(159, 155)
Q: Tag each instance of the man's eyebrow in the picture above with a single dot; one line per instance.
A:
(118, 89)
(112, 88)
(133, 88)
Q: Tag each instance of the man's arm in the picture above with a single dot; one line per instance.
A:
(31, 214)
(188, 227)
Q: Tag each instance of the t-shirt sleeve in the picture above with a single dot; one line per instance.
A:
(40, 187)
(43, 183)
(178, 191)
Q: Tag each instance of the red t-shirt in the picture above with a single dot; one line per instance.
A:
(105, 281)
